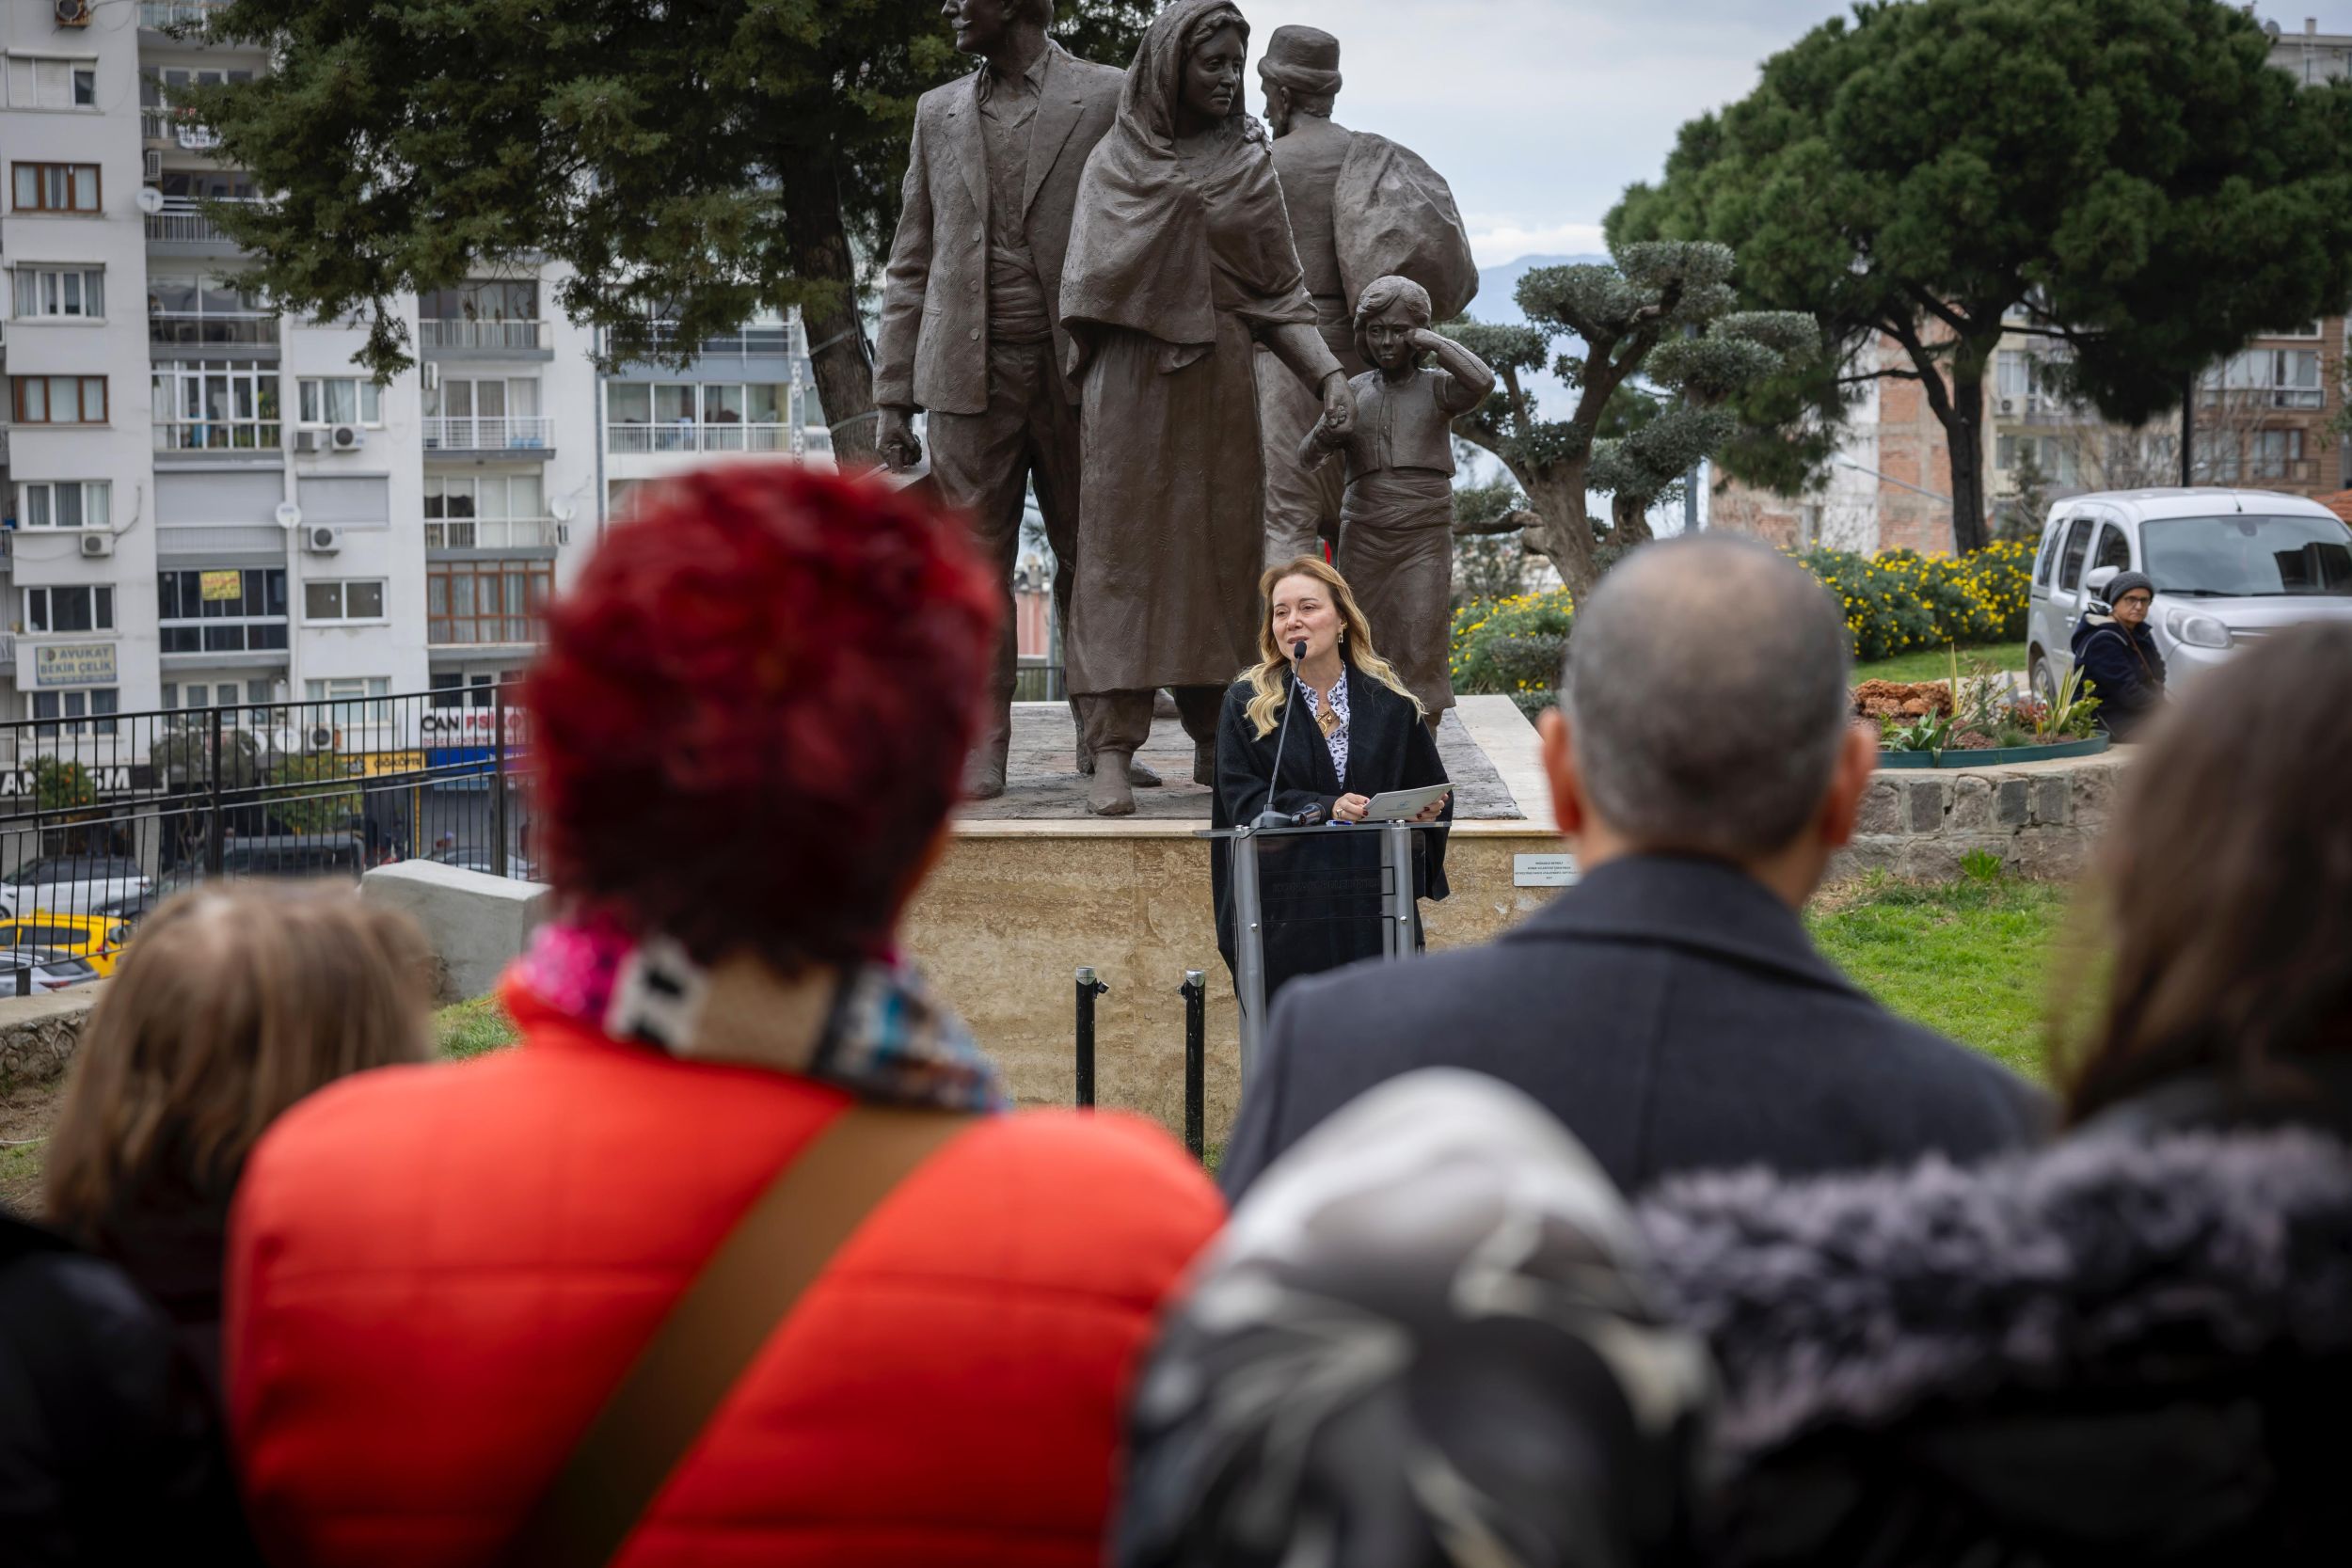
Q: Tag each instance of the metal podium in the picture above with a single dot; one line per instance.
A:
(1396, 908)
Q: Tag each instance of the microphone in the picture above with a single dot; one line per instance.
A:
(1270, 817)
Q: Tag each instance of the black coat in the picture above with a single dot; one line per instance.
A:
(1320, 894)
(1671, 1011)
(2125, 671)
(109, 1449)
(2134, 1347)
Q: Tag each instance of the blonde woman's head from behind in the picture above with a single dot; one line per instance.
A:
(229, 1005)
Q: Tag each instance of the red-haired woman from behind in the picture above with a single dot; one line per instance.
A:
(542, 1305)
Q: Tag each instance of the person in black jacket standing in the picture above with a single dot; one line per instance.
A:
(1670, 1009)
(1356, 733)
(109, 1449)
(2118, 653)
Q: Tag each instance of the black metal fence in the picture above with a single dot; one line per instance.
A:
(103, 816)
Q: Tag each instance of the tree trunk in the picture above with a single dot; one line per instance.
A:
(1629, 518)
(841, 359)
(1964, 431)
(1567, 529)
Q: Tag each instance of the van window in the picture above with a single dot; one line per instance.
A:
(2070, 564)
(2049, 553)
(2114, 549)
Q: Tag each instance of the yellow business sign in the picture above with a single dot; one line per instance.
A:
(222, 587)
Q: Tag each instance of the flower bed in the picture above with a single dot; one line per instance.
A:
(1978, 720)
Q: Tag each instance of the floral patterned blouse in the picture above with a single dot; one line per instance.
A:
(1333, 724)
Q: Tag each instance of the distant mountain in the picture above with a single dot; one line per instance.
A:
(1499, 286)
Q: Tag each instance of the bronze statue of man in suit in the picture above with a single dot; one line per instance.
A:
(971, 317)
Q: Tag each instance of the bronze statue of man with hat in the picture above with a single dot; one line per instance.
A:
(1362, 207)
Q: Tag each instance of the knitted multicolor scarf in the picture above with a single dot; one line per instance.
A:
(876, 1030)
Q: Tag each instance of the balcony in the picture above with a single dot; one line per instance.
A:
(774, 339)
(526, 433)
(249, 435)
(534, 338)
(491, 533)
(685, 437)
(177, 330)
(182, 223)
(161, 15)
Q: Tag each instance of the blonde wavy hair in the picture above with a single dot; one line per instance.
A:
(1267, 678)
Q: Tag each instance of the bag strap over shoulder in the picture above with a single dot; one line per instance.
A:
(744, 1294)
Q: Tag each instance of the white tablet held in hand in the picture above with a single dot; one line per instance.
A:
(1398, 804)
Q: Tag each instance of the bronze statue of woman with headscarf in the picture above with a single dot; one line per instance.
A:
(1180, 262)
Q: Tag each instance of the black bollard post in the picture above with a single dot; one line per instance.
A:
(1195, 991)
(1088, 988)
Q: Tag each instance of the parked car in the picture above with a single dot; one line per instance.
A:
(70, 884)
(290, 855)
(2230, 566)
(99, 939)
(34, 971)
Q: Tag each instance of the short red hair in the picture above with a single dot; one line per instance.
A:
(752, 715)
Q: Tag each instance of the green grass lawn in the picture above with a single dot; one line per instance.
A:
(1971, 958)
(1935, 664)
(470, 1028)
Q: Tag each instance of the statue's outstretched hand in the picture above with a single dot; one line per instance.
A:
(895, 437)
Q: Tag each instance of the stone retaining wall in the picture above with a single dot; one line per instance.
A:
(38, 1034)
(2041, 818)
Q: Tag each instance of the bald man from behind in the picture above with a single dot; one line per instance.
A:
(1669, 1008)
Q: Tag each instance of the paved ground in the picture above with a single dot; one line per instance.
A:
(1043, 783)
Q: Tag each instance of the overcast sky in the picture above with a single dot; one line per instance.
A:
(1539, 113)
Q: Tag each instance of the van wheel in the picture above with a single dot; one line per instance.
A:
(2044, 684)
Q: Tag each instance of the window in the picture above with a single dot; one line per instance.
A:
(69, 293)
(232, 611)
(2268, 377)
(57, 187)
(61, 400)
(2071, 563)
(484, 414)
(684, 416)
(493, 511)
(454, 690)
(157, 120)
(339, 400)
(2049, 555)
(490, 601)
(2275, 453)
(37, 82)
(65, 503)
(356, 699)
(81, 712)
(69, 608)
(2114, 549)
(343, 601)
(248, 710)
(192, 312)
(490, 313)
(214, 405)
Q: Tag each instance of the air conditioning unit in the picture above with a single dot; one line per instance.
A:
(95, 545)
(344, 438)
(322, 540)
(2009, 405)
(323, 737)
(151, 168)
(305, 440)
(73, 13)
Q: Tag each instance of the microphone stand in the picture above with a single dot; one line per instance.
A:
(1270, 817)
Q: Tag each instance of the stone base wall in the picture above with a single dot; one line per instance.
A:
(39, 1034)
(2039, 818)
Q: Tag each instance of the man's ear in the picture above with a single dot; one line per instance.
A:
(1857, 760)
(1560, 770)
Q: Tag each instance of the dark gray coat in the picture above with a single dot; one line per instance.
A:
(2135, 1347)
(1671, 1011)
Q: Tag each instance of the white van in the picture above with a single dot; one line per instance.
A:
(2230, 566)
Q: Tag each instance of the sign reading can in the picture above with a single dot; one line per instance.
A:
(73, 664)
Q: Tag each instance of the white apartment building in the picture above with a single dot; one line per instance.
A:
(207, 501)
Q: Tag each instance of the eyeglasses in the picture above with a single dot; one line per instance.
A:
(2140, 601)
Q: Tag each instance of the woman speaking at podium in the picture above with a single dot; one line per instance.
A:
(1353, 733)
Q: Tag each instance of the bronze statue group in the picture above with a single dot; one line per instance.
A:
(1118, 288)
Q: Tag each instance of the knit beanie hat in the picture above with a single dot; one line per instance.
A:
(2129, 582)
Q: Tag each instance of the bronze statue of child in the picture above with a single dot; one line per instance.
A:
(1396, 522)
